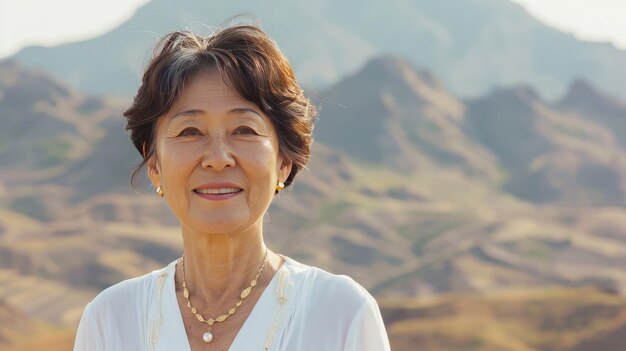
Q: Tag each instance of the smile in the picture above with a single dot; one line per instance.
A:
(217, 194)
(218, 191)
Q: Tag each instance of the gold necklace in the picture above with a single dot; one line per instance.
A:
(208, 336)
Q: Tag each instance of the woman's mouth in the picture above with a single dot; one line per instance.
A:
(217, 193)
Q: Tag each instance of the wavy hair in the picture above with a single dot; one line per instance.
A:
(249, 62)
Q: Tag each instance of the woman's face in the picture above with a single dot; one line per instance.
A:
(216, 158)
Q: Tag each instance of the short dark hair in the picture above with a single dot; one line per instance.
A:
(250, 63)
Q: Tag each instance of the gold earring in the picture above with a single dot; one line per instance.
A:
(159, 191)
(280, 186)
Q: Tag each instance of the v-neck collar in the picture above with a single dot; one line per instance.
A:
(263, 309)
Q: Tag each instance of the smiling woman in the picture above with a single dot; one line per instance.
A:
(223, 127)
(214, 146)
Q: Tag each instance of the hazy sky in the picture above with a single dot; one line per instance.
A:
(598, 20)
(50, 22)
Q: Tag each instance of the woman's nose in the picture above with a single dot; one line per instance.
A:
(217, 154)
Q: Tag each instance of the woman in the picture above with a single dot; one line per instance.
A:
(223, 127)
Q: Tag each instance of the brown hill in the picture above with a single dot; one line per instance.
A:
(391, 114)
(45, 124)
(582, 98)
(47, 128)
(388, 113)
(546, 320)
(20, 333)
(15, 324)
(551, 155)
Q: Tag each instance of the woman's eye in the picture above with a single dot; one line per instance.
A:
(245, 130)
(189, 132)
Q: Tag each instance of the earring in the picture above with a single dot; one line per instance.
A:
(159, 191)
(280, 186)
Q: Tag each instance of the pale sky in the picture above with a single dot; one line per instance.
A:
(597, 20)
(51, 22)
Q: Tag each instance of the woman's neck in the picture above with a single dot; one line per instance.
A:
(218, 267)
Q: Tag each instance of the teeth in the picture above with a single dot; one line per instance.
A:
(217, 191)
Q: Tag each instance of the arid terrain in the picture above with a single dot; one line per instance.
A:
(496, 222)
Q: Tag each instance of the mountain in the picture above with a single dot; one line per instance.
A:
(473, 45)
(389, 113)
(49, 131)
(46, 125)
(584, 99)
(28, 100)
(442, 196)
(551, 153)
(436, 168)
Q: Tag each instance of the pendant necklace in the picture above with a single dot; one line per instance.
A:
(208, 335)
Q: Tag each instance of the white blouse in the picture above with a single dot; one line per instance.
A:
(303, 308)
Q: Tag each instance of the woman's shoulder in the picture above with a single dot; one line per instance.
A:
(129, 294)
(320, 287)
(116, 318)
(336, 311)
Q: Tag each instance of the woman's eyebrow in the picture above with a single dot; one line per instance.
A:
(237, 110)
(244, 110)
(188, 113)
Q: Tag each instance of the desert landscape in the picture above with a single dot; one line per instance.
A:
(482, 216)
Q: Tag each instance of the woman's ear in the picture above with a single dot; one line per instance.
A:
(285, 169)
(152, 167)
